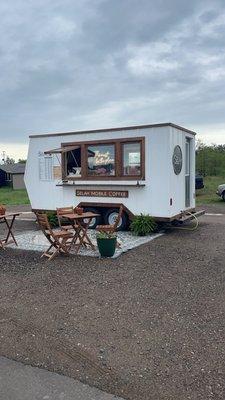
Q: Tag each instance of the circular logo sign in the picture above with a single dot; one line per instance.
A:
(177, 160)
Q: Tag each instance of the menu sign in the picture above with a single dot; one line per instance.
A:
(45, 168)
(102, 193)
(57, 172)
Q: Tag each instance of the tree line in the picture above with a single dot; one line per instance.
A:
(9, 160)
(210, 159)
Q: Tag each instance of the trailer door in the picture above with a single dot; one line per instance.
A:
(187, 172)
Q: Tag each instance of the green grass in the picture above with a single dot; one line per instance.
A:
(208, 194)
(11, 197)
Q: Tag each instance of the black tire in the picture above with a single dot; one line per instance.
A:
(223, 195)
(97, 220)
(110, 216)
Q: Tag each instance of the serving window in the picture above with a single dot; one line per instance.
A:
(73, 164)
(118, 159)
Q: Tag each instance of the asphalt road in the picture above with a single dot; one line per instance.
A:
(22, 382)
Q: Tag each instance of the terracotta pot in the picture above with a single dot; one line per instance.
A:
(2, 210)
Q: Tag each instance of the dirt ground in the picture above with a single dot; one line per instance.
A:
(218, 207)
(149, 325)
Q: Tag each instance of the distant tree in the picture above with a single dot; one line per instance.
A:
(22, 161)
(199, 144)
(210, 159)
(9, 160)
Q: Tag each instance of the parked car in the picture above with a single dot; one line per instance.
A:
(199, 183)
(221, 191)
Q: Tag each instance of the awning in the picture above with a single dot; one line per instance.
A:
(63, 149)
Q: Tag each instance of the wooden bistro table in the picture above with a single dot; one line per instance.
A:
(9, 226)
(81, 234)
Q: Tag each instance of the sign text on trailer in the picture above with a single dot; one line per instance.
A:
(102, 193)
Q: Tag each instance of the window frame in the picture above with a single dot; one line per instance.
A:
(118, 143)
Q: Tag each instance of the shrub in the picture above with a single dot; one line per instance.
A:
(143, 225)
(52, 218)
(106, 235)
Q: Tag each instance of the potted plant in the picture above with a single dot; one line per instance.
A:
(106, 242)
(78, 210)
(2, 209)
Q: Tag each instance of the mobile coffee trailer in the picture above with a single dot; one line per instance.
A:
(149, 169)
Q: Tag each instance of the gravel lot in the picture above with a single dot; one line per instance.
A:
(213, 208)
(146, 326)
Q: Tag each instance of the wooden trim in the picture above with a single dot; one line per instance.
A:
(143, 159)
(63, 163)
(103, 141)
(95, 205)
(83, 162)
(106, 205)
(117, 160)
(114, 184)
(176, 216)
(118, 143)
(106, 177)
(60, 150)
(117, 205)
(123, 128)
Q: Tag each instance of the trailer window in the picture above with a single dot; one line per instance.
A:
(120, 158)
(101, 160)
(132, 159)
(73, 163)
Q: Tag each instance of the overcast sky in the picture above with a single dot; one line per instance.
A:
(74, 64)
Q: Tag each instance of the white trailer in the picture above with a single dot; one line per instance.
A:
(150, 169)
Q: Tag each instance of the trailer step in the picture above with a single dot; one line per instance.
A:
(192, 215)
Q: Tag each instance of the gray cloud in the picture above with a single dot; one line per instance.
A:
(68, 65)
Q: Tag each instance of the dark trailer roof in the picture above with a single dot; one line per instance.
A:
(122, 128)
(17, 168)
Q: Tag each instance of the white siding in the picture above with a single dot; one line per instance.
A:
(161, 183)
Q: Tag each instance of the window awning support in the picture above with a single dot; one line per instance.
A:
(61, 150)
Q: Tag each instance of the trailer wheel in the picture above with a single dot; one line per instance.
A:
(111, 215)
(223, 195)
(96, 220)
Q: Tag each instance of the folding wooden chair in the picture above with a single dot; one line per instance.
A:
(60, 215)
(113, 227)
(59, 239)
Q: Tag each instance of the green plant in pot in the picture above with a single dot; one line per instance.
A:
(106, 242)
